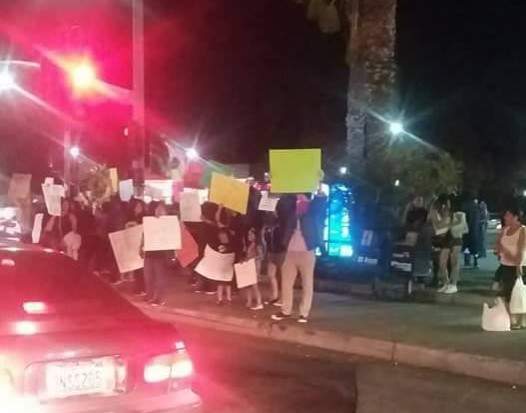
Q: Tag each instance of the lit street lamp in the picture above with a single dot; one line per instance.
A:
(74, 151)
(192, 154)
(83, 76)
(7, 80)
(396, 128)
(343, 170)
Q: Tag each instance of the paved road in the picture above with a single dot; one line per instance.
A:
(240, 374)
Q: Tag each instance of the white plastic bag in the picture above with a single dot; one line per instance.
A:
(518, 298)
(314, 9)
(329, 20)
(496, 318)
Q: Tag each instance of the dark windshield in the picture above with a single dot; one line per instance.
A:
(55, 280)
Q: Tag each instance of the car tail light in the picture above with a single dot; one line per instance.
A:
(26, 328)
(175, 366)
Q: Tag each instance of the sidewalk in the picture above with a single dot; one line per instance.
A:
(474, 284)
(439, 336)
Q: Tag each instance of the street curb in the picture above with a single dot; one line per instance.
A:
(426, 296)
(473, 365)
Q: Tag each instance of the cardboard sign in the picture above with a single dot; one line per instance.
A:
(126, 245)
(203, 194)
(229, 192)
(295, 170)
(162, 234)
(216, 266)
(267, 203)
(246, 273)
(126, 190)
(190, 207)
(159, 190)
(190, 250)
(37, 228)
(19, 187)
(53, 195)
(114, 179)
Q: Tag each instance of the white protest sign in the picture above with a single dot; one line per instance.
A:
(203, 194)
(126, 247)
(216, 266)
(53, 197)
(19, 187)
(126, 190)
(159, 190)
(190, 206)
(162, 233)
(37, 228)
(246, 273)
(267, 203)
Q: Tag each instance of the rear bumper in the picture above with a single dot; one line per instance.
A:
(181, 401)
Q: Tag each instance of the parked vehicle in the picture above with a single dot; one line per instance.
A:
(70, 343)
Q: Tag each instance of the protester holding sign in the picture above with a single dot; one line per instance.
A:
(136, 212)
(156, 262)
(301, 220)
(217, 265)
(57, 228)
(275, 254)
(253, 251)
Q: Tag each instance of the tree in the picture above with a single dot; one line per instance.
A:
(417, 169)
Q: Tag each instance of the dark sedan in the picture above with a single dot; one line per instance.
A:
(69, 343)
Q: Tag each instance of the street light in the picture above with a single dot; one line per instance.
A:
(83, 76)
(397, 183)
(396, 128)
(7, 80)
(343, 170)
(74, 151)
(192, 154)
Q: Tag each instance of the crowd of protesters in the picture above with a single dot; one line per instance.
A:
(282, 243)
(457, 226)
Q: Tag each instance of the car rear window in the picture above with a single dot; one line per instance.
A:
(55, 280)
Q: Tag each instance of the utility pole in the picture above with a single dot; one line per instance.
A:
(139, 118)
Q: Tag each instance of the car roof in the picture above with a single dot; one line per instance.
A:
(8, 245)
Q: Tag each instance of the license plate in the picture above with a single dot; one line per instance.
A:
(80, 378)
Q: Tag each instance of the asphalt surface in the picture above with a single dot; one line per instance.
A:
(239, 374)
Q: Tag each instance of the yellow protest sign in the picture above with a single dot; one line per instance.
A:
(295, 170)
(229, 192)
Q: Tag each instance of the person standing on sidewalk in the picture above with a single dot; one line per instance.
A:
(458, 228)
(253, 250)
(156, 265)
(472, 241)
(302, 222)
(440, 216)
(136, 212)
(511, 247)
(483, 231)
(275, 254)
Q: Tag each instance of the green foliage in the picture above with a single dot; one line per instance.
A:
(420, 170)
(98, 183)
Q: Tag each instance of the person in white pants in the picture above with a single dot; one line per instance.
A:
(302, 223)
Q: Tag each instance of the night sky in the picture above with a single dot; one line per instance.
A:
(246, 76)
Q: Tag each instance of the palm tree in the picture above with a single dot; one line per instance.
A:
(371, 47)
